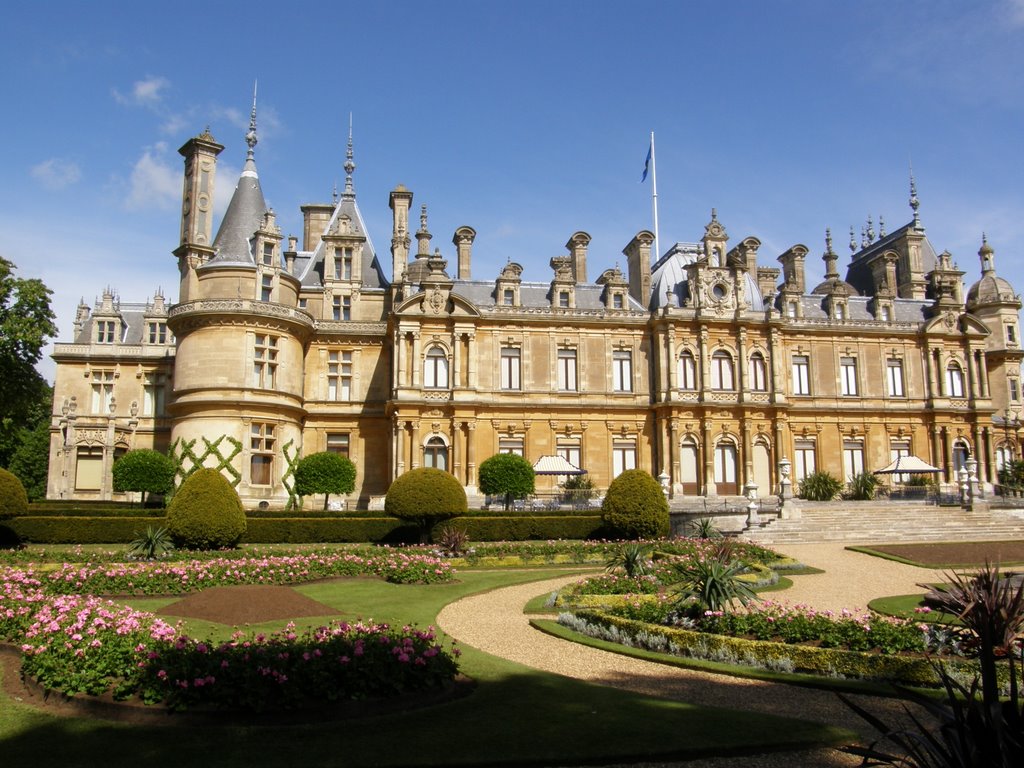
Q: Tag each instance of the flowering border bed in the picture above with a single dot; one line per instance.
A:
(78, 643)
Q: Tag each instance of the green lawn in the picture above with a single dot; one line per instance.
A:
(515, 716)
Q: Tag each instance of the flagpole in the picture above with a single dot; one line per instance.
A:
(654, 198)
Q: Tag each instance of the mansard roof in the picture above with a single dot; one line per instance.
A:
(588, 296)
(309, 264)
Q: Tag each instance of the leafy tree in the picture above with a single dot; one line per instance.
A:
(26, 322)
(143, 470)
(31, 460)
(324, 473)
(508, 475)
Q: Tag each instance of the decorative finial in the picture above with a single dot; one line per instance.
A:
(828, 240)
(881, 227)
(350, 165)
(423, 218)
(334, 193)
(864, 243)
(250, 137)
(871, 230)
(714, 214)
(853, 241)
(914, 202)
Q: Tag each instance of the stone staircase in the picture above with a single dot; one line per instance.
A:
(868, 522)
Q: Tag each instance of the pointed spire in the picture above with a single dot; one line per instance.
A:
(914, 202)
(350, 165)
(250, 138)
(334, 193)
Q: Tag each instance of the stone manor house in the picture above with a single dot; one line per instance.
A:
(700, 365)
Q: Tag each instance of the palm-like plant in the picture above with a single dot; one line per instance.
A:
(971, 733)
(633, 558)
(704, 528)
(712, 581)
(152, 544)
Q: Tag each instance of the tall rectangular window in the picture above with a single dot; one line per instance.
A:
(758, 373)
(721, 371)
(338, 442)
(618, 302)
(435, 369)
(563, 299)
(567, 370)
(622, 370)
(261, 444)
(1011, 334)
(801, 375)
(623, 457)
(153, 394)
(899, 449)
(894, 378)
(339, 376)
(266, 287)
(508, 297)
(848, 376)
(157, 332)
(264, 366)
(102, 391)
(687, 371)
(853, 458)
(954, 381)
(1014, 388)
(268, 254)
(804, 459)
(343, 264)
(105, 330)
(342, 308)
(89, 468)
(510, 368)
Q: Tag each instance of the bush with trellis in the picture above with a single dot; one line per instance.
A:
(206, 512)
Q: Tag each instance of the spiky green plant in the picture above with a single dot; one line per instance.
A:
(862, 487)
(704, 528)
(711, 582)
(152, 543)
(820, 486)
(633, 559)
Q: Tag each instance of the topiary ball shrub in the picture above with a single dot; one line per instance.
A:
(635, 507)
(143, 470)
(325, 473)
(13, 499)
(425, 496)
(508, 475)
(206, 512)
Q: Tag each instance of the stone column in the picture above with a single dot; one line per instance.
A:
(417, 361)
(416, 452)
(471, 456)
(710, 489)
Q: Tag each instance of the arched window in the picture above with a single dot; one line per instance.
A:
(721, 371)
(954, 380)
(961, 453)
(725, 469)
(435, 369)
(686, 373)
(435, 454)
(758, 373)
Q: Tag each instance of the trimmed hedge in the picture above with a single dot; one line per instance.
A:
(308, 529)
(206, 512)
(97, 511)
(907, 670)
(13, 499)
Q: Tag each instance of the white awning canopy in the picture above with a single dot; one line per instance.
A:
(556, 465)
(908, 465)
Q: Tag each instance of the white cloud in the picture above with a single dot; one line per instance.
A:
(56, 173)
(144, 93)
(155, 183)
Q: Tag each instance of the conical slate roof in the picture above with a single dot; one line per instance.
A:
(244, 216)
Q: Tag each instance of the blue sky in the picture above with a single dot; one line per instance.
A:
(528, 121)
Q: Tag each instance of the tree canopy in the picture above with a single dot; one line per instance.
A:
(508, 475)
(143, 470)
(324, 473)
(26, 322)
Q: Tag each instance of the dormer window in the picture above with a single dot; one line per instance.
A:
(508, 297)
(563, 299)
(884, 314)
(1011, 334)
(105, 331)
(840, 312)
(343, 264)
(268, 254)
(266, 287)
(791, 309)
(157, 332)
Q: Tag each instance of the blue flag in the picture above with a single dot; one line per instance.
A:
(647, 165)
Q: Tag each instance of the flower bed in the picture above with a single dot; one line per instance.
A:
(74, 642)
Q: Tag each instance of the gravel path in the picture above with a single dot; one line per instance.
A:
(495, 623)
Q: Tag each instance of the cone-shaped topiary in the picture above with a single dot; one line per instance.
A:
(206, 512)
(13, 499)
(635, 507)
(425, 496)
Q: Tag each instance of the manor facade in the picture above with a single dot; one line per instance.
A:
(699, 365)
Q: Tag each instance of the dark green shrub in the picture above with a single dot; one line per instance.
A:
(206, 512)
(79, 530)
(145, 471)
(820, 486)
(530, 527)
(425, 496)
(1012, 474)
(31, 460)
(13, 499)
(325, 473)
(635, 507)
(508, 475)
(862, 487)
